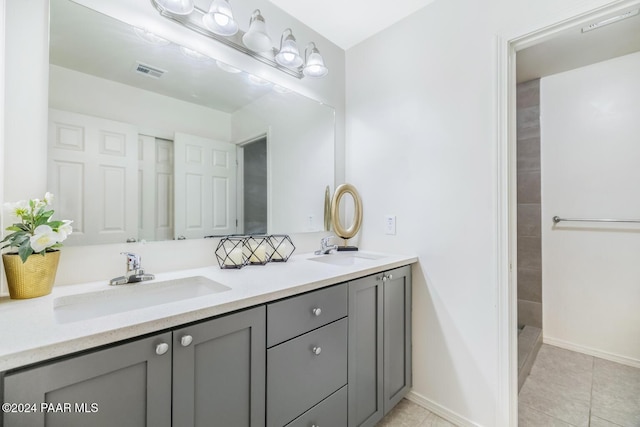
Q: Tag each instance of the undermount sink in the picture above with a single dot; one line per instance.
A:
(347, 258)
(123, 298)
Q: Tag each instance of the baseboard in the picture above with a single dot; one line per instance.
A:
(440, 410)
(623, 360)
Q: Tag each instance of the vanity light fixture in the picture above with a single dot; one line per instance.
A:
(219, 19)
(313, 62)
(218, 23)
(257, 38)
(178, 7)
(288, 55)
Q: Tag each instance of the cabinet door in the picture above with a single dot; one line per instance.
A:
(125, 385)
(397, 336)
(365, 351)
(219, 371)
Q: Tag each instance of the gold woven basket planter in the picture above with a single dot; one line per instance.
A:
(33, 278)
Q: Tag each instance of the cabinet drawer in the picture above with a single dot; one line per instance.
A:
(295, 316)
(330, 412)
(298, 378)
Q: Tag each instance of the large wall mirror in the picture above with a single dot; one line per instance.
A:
(149, 140)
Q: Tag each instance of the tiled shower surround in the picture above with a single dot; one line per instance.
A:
(529, 229)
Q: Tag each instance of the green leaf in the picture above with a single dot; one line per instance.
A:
(24, 251)
(55, 224)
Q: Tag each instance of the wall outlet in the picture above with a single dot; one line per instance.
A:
(390, 224)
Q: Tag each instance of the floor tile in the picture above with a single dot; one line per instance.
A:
(435, 421)
(616, 393)
(529, 417)
(405, 414)
(599, 422)
(552, 400)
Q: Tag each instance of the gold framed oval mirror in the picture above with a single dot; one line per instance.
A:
(342, 231)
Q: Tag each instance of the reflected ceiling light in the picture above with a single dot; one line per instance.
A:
(281, 89)
(177, 7)
(228, 68)
(288, 55)
(193, 54)
(258, 81)
(313, 62)
(219, 19)
(150, 37)
(257, 38)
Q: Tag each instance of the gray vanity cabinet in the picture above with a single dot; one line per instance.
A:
(379, 344)
(206, 374)
(125, 385)
(218, 371)
(307, 360)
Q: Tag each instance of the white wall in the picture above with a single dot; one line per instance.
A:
(421, 144)
(300, 138)
(154, 114)
(590, 157)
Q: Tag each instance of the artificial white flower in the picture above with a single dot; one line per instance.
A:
(48, 198)
(64, 230)
(43, 238)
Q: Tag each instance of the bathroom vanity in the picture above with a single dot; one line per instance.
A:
(323, 341)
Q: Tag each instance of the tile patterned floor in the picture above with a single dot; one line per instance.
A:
(409, 414)
(564, 389)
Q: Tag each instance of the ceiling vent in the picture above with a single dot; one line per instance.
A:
(148, 70)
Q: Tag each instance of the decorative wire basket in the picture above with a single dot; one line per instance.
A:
(232, 252)
(258, 249)
(282, 247)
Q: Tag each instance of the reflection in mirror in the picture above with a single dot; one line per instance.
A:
(148, 140)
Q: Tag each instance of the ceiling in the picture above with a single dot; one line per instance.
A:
(348, 22)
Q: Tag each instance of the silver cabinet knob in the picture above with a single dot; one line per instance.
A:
(316, 350)
(390, 276)
(315, 425)
(317, 311)
(186, 340)
(162, 348)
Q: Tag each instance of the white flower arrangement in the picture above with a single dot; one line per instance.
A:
(35, 233)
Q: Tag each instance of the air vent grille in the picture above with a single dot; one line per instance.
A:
(148, 70)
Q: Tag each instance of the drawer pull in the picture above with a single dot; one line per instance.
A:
(315, 425)
(316, 350)
(186, 340)
(317, 311)
(162, 348)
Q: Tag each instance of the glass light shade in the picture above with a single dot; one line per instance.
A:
(177, 7)
(257, 38)
(289, 55)
(219, 19)
(315, 65)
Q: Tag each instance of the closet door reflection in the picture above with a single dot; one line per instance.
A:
(254, 194)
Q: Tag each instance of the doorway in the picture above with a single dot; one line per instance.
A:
(254, 189)
(509, 183)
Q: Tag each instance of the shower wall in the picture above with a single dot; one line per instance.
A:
(529, 204)
(590, 157)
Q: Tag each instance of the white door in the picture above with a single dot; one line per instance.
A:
(155, 192)
(92, 171)
(205, 187)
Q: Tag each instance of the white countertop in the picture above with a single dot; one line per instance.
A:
(30, 333)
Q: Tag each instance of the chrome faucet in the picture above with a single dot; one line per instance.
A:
(325, 247)
(135, 273)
